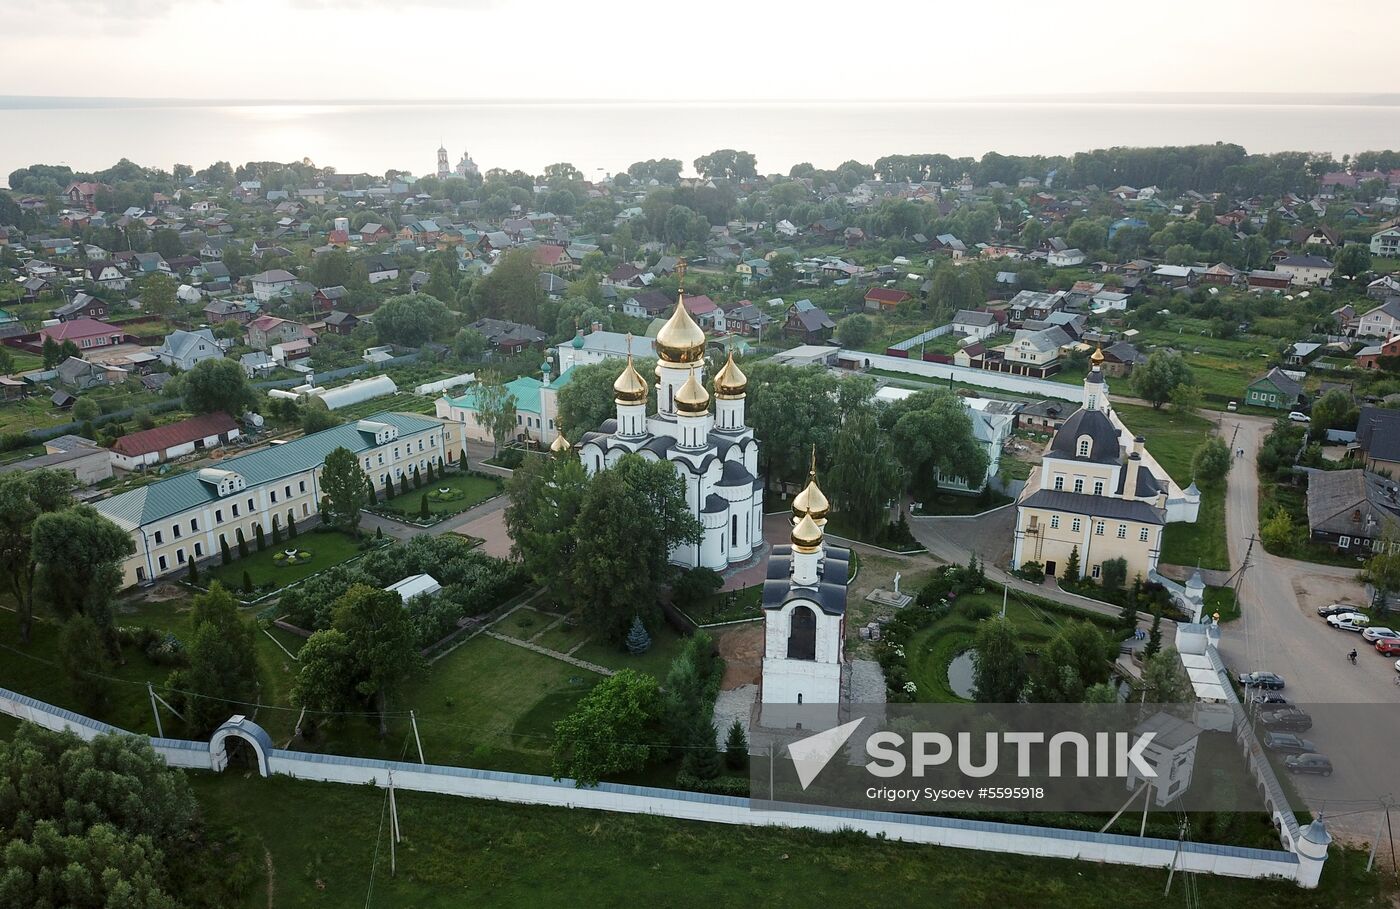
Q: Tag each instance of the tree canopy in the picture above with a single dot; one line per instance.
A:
(411, 319)
(217, 385)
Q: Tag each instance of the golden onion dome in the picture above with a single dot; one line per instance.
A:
(692, 398)
(731, 381)
(560, 444)
(811, 501)
(807, 536)
(630, 387)
(1097, 357)
(680, 339)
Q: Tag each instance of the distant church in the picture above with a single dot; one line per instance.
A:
(465, 167)
(715, 453)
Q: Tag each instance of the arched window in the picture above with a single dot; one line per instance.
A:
(1084, 447)
(802, 634)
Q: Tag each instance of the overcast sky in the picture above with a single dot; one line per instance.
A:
(720, 49)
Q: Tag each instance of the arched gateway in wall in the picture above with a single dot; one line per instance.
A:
(242, 728)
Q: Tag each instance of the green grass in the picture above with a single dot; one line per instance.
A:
(467, 490)
(326, 847)
(469, 706)
(1222, 600)
(665, 644)
(932, 648)
(523, 623)
(327, 550)
(563, 637)
(1172, 438)
(1295, 501)
(952, 503)
(731, 606)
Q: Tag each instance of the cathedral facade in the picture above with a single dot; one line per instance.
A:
(706, 441)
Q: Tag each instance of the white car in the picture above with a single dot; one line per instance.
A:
(1375, 634)
(1298, 416)
(1348, 621)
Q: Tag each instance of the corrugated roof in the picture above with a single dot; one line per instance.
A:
(185, 491)
(162, 437)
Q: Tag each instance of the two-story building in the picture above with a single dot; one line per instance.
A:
(191, 515)
(1381, 322)
(1090, 497)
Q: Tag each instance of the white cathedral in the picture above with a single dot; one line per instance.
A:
(715, 453)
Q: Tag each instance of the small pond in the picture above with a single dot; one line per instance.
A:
(960, 674)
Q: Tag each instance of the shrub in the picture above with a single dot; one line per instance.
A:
(1031, 571)
(736, 747)
(423, 511)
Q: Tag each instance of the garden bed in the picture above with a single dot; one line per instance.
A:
(268, 573)
(447, 495)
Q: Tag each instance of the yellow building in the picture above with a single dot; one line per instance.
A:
(190, 515)
(1093, 493)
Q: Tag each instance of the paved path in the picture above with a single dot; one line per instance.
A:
(564, 657)
(1279, 631)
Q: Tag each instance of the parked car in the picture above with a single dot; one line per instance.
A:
(1287, 743)
(1293, 720)
(1269, 700)
(1375, 634)
(1388, 646)
(1348, 621)
(1308, 763)
(1232, 406)
(1266, 680)
(1334, 609)
(1298, 416)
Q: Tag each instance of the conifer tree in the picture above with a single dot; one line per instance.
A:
(223, 550)
(1072, 565)
(242, 543)
(247, 582)
(1154, 637)
(423, 511)
(638, 641)
(291, 526)
(193, 572)
(259, 537)
(736, 746)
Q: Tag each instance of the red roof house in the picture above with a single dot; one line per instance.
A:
(885, 298)
(86, 333)
(151, 446)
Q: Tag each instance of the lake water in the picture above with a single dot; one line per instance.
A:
(962, 675)
(605, 137)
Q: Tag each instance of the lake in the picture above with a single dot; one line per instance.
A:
(605, 137)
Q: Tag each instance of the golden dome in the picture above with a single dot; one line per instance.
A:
(807, 536)
(680, 339)
(630, 387)
(560, 444)
(811, 501)
(1097, 357)
(692, 398)
(731, 381)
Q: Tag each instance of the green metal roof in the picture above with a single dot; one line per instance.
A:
(525, 390)
(173, 495)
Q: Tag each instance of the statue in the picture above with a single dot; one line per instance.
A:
(896, 583)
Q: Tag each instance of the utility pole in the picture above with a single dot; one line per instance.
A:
(1171, 872)
(1375, 840)
(160, 732)
(412, 718)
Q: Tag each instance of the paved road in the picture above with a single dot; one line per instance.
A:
(1279, 631)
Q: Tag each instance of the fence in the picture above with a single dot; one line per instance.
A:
(1206, 858)
(1024, 385)
(1199, 857)
(910, 343)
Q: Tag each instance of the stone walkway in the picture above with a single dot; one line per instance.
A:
(545, 651)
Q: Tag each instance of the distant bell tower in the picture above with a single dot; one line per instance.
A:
(444, 168)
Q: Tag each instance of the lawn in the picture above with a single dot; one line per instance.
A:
(730, 606)
(523, 623)
(327, 549)
(472, 707)
(464, 490)
(952, 503)
(665, 644)
(1172, 438)
(327, 846)
(932, 648)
